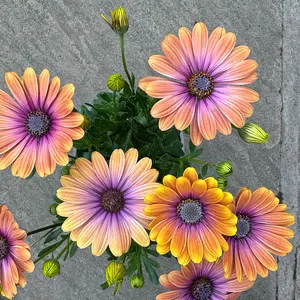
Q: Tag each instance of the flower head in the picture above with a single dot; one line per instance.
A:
(262, 231)
(116, 82)
(253, 133)
(190, 217)
(37, 128)
(51, 268)
(114, 272)
(14, 254)
(119, 21)
(104, 203)
(204, 85)
(202, 281)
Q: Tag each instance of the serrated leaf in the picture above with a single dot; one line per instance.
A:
(151, 271)
(152, 252)
(197, 152)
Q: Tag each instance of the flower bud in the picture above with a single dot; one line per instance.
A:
(52, 209)
(252, 133)
(222, 183)
(224, 168)
(114, 272)
(51, 268)
(115, 82)
(119, 21)
(137, 281)
(86, 122)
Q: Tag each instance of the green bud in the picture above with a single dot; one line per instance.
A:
(224, 168)
(119, 21)
(52, 209)
(115, 82)
(137, 281)
(253, 133)
(222, 183)
(51, 268)
(114, 272)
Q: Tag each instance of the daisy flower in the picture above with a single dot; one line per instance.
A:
(104, 203)
(38, 126)
(204, 85)
(262, 231)
(190, 217)
(14, 254)
(203, 281)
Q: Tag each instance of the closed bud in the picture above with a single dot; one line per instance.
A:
(51, 268)
(52, 209)
(137, 281)
(253, 133)
(224, 168)
(119, 21)
(114, 272)
(115, 82)
(222, 183)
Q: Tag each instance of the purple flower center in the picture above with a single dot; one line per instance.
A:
(243, 226)
(37, 123)
(4, 247)
(200, 85)
(190, 211)
(201, 289)
(112, 201)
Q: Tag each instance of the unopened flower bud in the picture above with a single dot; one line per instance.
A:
(224, 168)
(253, 133)
(114, 272)
(119, 21)
(137, 281)
(52, 209)
(222, 183)
(115, 82)
(51, 268)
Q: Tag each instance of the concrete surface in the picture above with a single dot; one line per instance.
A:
(70, 39)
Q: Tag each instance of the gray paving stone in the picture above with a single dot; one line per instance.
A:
(72, 41)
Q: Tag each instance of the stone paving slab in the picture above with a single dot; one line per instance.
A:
(70, 39)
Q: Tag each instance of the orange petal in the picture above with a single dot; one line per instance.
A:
(185, 113)
(43, 83)
(170, 181)
(183, 187)
(191, 174)
(199, 42)
(199, 188)
(146, 80)
(167, 232)
(31, 86)
(195, 246)
(178, 242)
(206, 122)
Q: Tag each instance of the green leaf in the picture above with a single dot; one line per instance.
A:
(73, 249)
(204, 170)
(150, 270)
(153, 263)
(197, 152)
(180, 168)
(191, 147)
(152, 252)
(104, 285)
(56, 199)
(53, 236)
(51, 248)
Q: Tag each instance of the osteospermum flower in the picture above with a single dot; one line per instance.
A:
(14, 254)
(104, 203)
(262, 231)
(37, 128)
(204, 84)
(190, 217)
(204, 281)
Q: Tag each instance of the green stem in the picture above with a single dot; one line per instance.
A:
(63, 250)
(124, 61)
(43, 229)
(115, 104)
